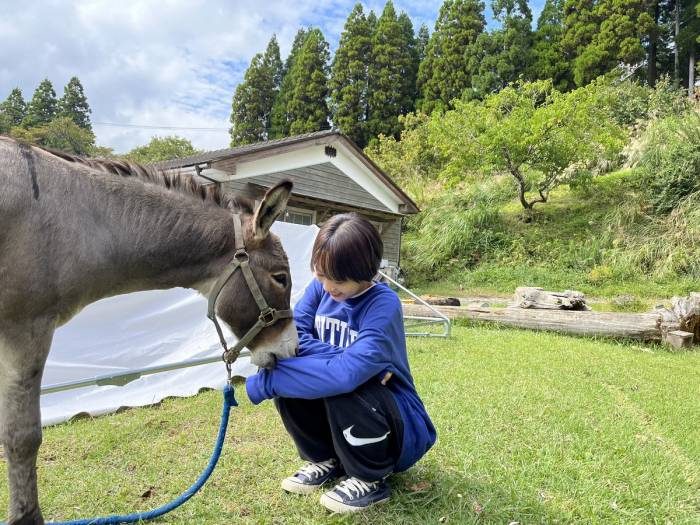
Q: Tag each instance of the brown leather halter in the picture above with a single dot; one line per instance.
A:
(268, 316)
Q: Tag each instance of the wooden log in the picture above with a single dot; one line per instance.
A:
(537, 298)
(439, 301)
(679, 339)
(643, 327)
(687, 312)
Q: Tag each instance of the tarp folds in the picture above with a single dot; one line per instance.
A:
(144, 329)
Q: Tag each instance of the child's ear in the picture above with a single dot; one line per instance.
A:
(272, 206)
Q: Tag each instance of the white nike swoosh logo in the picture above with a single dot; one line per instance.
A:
(357, 441)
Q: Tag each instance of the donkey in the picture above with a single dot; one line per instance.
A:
(76, 230)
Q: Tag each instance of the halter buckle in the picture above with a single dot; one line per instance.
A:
(267, 316)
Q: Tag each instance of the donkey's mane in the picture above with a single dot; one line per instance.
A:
(175, 181)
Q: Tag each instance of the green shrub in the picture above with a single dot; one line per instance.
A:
(670, 159)
(662, 247)
(456, 230)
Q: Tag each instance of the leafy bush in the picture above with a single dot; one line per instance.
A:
(61, 133)
(670, 159)
(663, 247)
(162, 148)
(634, 104)
(412, 162)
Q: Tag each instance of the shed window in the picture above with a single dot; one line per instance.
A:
(298, 216)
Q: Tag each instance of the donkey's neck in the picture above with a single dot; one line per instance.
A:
(134, 236)
(172, 240)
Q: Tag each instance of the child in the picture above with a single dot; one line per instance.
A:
(348, 398)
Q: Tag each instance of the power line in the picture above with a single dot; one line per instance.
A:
(145, 126)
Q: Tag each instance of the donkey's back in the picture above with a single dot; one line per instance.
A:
(16, 161)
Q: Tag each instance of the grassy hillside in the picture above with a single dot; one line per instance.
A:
(603, 241)
(631, 236)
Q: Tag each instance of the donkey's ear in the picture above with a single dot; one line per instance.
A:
(272, 206)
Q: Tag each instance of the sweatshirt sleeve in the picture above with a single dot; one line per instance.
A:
(336, 372)
(305, 317)
(305, 309)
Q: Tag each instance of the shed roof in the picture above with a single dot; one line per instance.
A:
(224, 157)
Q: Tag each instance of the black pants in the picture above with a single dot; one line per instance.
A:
(362, 429)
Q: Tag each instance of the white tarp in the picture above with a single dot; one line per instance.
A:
(145, 329)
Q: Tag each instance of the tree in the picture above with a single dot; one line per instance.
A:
(410, 87)
(411, 161)
(600, 35)
(532, 132)
(280, 120)
(422, 42)
(61, 133)
(348, 81)
(392, 73)
(547, 57)
(74, 104)
(251, 109)
(162, 148)
(43, 107)
(307, 109)
(504, 54)
(688, 37)
(450, 58)
(12, 110)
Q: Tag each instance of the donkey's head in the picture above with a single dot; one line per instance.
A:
(236, 304)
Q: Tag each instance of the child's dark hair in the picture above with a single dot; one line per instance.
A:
(347, 248)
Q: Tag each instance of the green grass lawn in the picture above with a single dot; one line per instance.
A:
(533, 428)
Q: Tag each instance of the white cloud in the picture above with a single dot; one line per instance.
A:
(166, 63)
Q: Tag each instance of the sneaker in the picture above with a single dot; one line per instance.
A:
(311, 476)
(353, 494)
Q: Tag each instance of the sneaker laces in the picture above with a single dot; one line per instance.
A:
(359, 487)
(315, 470)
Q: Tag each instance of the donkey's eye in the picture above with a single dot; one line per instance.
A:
(280, 278)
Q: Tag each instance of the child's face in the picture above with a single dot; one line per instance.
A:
(341, 290)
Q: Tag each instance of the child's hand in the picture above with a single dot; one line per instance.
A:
(386, 378)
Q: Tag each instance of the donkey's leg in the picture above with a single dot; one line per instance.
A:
(23, 352)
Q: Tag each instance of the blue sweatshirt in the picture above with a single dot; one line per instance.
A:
(342, 345)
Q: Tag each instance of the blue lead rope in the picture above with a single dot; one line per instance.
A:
(229, 402)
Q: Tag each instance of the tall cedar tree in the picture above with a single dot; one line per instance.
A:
(599, 35)
(661, 44)
(422, 42)
(411, 77)
(307, 108)
(43, 107)
(281, 121)
(392, 73)
(687, 41)
(74, 104)
(251, 109)
(450, 58)
(13, 110)
(348, 80)
(505, 52)
(548, 60)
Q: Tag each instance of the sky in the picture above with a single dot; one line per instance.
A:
(162, 67)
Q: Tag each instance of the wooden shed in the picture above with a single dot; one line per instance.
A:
(330, 173)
